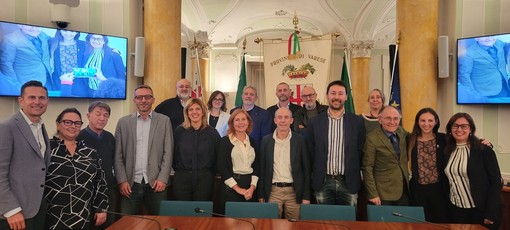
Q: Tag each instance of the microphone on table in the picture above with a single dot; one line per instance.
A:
(199, 210)
(317, 222)
(417, 219)
(135, 216)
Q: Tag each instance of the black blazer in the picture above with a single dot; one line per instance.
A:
(485, 181)
(300, 167)
(354, 139)
(224, 161)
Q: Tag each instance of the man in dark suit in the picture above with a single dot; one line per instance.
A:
(143, 155)
(385, 170)
(103, 142)
(24, 157)
(173, 107)
(283, 93)
(261, 118)
(25, 56)
(284, 167)
(335, 141)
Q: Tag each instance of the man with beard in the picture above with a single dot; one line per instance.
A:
(173, 107)
(283, 93)
(261, 118)
(311, 107)
(143, 155)
(335, 140)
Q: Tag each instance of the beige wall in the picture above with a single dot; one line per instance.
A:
(114, 17)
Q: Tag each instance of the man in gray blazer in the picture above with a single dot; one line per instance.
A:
(143, 155)
(24, 157)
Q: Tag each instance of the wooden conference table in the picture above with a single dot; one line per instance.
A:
(196, 223)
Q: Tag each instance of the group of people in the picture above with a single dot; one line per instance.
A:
(287, 154)
(65, 64)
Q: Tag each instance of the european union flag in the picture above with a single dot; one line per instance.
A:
(395, 79)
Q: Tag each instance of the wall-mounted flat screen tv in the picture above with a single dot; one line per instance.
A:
(71, 64)
(483, 69)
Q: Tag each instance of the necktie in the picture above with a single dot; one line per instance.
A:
(38, 45)
(493, 52)
(394, 142)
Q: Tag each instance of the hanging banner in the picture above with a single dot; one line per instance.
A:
(310, 67)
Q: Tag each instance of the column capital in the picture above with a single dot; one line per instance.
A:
(361, 48)
(204, 49)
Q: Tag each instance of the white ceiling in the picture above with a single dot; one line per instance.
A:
(225, 23)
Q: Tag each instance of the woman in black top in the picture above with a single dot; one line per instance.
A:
(473, 175)
(195, 145)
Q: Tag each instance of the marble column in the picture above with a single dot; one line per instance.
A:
(360, 73)
(162, 32)
(417, 32)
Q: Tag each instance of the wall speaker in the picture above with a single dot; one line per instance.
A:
(139, 56)
(443, 59)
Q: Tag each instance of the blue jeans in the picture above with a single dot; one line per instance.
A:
(142, 194)
(334, 191)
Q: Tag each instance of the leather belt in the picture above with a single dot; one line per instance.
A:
(335, 177)
(283, 184)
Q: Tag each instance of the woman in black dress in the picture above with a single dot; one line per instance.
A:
(75, 183)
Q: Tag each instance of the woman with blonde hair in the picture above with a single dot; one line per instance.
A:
(195, 147)
(376, 101)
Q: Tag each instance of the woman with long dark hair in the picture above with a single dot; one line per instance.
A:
(66, 53)
(425, 149)
(473, 175)
(217, 116)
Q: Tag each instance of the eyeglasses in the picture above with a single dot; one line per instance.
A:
(146, 97)
(69, 123)
(99, 39)
(462, 126)
(389, 119)
(217, 99)
(304, 96)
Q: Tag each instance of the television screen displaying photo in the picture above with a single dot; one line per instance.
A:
(483, 69)
(71, 64)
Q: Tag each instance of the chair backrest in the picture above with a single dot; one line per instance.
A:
(327, 212)
(184, 208)
(251, 210)
(385, 213)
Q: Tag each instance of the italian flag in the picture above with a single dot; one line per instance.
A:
(293, 47)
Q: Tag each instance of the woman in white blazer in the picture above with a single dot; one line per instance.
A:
(217, 116)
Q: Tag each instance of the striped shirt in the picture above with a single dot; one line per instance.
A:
(456, 171)
(336, 157)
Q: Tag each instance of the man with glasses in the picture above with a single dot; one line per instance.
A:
(143, 155)
(283, 93)
(24, 158)
(311, 107)
(384, 166)
(173, 107)
(103, 142)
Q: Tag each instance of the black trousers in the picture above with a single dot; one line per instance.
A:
(185, 188)
(433, 199)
